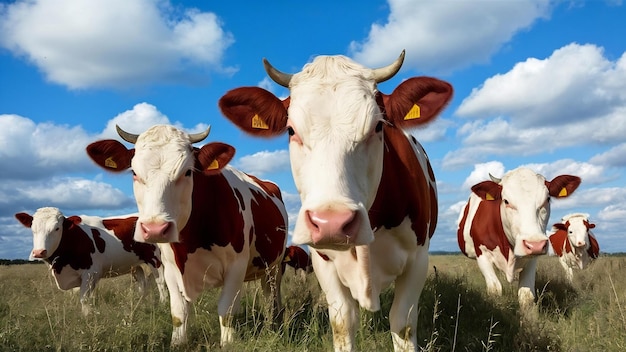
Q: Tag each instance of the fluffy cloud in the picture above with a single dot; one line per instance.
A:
(114, 43)
(435, 34)
(513, 115)
(264, 162)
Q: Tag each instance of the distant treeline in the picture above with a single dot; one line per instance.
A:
(18, 261)
(24, 261)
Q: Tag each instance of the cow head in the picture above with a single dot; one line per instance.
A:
(47, 225)
(524, 198)
(164, 165)
(577, 227)
(336, 119)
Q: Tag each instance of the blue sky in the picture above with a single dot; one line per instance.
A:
(537, 83)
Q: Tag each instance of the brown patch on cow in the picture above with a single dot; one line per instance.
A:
(559, 240)
(594, 247)
(270, 230)
(404, 186)
(98, 240)
(487, 229)
(75, 249)
(124, 230)
(459, 233)
(216, 218)
(176, 321)
(269, 187)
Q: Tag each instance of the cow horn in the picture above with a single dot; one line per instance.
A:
(198, 137)
(494, 179)
(128, 137)
(384, 73)
(279, 77)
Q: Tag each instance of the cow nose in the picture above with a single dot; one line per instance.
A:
(40, 253)
(536, 247)
(332, 227)
(155, 232)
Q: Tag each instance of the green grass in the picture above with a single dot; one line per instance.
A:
(455, 314)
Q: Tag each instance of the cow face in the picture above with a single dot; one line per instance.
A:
(335, 118)
(577, 227)
(164, 165)
(47, 227)
(524, 198)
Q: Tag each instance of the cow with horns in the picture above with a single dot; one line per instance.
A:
(81, 250)
(574, 243)
(504, 225)
(216, 226)
(368, 192)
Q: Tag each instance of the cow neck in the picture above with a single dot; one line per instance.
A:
(74, 249)
(215, 216)
(403, 189)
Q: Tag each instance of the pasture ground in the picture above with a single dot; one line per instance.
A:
(455, 314)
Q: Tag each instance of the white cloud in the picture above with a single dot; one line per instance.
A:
(265, 162)
(588, 172)
(573, 98)
(481, 173)
(114, 43)
(435, 34)
(615, 156)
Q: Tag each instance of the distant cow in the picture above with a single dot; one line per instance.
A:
(574, 242)
(298, 259)
(368, 192)
(504, 225)
(80, 250)
(216, 226)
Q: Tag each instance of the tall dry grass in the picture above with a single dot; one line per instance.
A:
(455, 314)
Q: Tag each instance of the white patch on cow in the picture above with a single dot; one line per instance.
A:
(334, 115)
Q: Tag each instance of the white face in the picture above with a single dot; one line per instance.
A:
(336, 151)
(47, 228)
(525, 208)
(577, 232)
(162, 183)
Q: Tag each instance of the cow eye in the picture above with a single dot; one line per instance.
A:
(290, 131)
(506, 202)
(379, 126)
(188, 173)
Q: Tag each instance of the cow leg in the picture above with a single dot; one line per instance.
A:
(494, 287)
(404, 310)
(342, 308)
(569, 273)
(526, 290)
(140, 278)
(228, 302)
(179, 306)
(87, 286)
(270, 283)
(159, 278)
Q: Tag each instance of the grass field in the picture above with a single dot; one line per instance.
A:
(455, 314)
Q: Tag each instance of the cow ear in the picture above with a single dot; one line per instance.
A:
(488, 190)
(562, 186)
(213, 157)
(417, 101)
(559, 226)
(25, 219)
(591, 226)
(255, 111)
(110, 154)
(75, 219)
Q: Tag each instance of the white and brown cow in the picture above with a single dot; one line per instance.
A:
(299, 260)
(369, 198)
(80, 250)
(504, 225)
(574, 243)
(216, 226)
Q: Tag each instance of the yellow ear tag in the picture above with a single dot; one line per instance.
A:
(257, 122)
(414, 113)
(563, 192)
(488, 196)
(214, 165)
(286, 259)
(110, 163)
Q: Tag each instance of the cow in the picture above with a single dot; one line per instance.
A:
(504, 223)
(80, 250)
(574, 243)
(299, 259)
(368, 192)
(216, 226)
